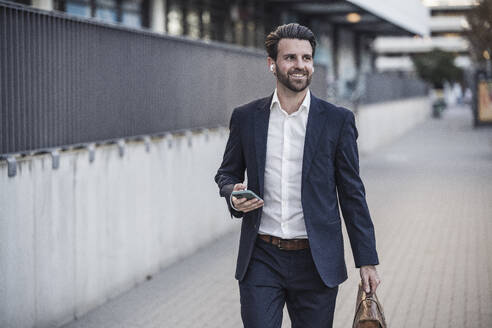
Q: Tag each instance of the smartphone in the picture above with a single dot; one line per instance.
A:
(248, 194)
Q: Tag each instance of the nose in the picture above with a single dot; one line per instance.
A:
(300, 63)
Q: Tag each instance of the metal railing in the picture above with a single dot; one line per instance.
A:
(68, 81)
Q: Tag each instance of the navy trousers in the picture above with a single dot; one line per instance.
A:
(277, 277)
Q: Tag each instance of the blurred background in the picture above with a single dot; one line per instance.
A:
(114, 118)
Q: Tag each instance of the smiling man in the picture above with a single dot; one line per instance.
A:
(300, 155)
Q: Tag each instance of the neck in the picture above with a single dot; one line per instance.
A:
(290, 100)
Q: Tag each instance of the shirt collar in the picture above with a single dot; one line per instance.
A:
(304, 105)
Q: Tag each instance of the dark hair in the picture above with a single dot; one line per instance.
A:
(288, 31)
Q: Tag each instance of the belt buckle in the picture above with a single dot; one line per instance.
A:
(279, 245)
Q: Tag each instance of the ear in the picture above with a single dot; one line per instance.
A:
(271, 64)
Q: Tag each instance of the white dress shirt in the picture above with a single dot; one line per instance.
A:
(282, 211)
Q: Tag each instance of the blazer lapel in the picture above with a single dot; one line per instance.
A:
(314, 128)
(262, 115)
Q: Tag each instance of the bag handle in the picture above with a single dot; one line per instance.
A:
(372, 299)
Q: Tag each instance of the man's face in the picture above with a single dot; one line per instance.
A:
(294, 64)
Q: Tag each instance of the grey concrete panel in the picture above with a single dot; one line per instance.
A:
(92, 229)
(120, 225)
(17, 248)
(54, 236)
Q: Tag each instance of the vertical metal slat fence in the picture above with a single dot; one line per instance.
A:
(66, 80)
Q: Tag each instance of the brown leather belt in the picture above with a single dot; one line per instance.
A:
(286, 244)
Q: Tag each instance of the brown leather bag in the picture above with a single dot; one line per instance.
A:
(368, 311)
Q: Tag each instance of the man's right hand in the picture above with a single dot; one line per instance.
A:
(243, 204)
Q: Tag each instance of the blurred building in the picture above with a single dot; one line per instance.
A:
(346, 31)
(448, 26)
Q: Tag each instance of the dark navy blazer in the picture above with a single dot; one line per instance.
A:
(330, 164)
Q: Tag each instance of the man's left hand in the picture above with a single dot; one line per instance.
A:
(370, 278)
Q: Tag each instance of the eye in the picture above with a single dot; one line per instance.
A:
(307, 58)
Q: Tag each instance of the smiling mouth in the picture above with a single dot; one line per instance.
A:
(298, 75)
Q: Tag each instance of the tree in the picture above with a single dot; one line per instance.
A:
(480, 33)
(437, 67)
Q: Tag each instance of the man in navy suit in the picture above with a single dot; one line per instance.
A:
(300, 155)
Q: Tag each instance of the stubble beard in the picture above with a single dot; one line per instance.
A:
(293, 85)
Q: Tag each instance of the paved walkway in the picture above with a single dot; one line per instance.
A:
(430, 194)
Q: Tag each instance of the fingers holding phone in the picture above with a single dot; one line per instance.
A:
(246, 206)
(245, 200)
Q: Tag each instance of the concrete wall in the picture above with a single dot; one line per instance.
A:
(380, 123)
(73, 237)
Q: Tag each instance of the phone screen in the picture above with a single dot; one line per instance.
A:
(248, 194)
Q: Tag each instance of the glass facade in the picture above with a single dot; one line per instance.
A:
(23, 2)
(239, 22)
(79, 8)
(126, 12)
(106, 10)
(131, 13)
